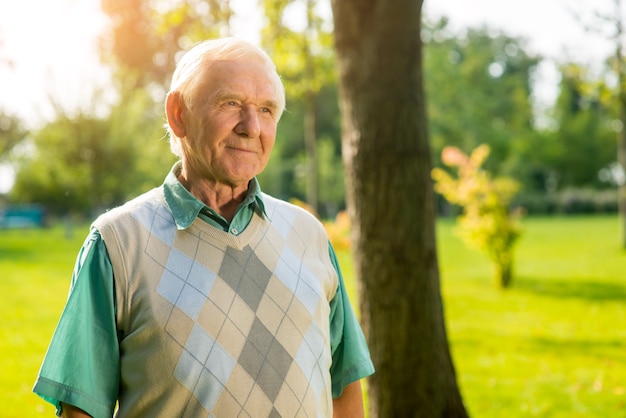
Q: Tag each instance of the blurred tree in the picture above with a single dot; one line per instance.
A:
(619, 67)
(146, 35)
(85, 164)
(583, 141)
(479, 91)
(60, 171)
(289, 156)
(612, 25)
(12, 133)
(331, 174)
(390, 202)
(305, 60)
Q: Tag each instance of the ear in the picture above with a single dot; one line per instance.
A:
(174, 110)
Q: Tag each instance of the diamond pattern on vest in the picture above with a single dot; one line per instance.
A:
(248, 347)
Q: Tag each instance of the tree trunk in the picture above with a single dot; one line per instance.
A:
(310, 112)
(621, 159)
(390, 201)
(310, 141)
(503, 272)
(621, 135)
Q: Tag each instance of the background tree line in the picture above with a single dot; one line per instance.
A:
(479, 88)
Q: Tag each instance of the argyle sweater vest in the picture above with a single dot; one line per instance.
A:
(212, 324)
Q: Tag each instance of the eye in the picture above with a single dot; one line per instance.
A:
(231, 103)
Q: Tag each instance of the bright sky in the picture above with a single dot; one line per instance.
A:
(52, 44)
(554, 28)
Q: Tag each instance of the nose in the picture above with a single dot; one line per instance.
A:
(249, 125)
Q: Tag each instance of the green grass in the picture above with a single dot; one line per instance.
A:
(35, 272)
(551, 346)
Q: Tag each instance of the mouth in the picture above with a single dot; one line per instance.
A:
(241, 149)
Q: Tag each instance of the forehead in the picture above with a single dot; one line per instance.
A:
(239, 77)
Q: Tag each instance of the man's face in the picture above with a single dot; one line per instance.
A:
(230, 130)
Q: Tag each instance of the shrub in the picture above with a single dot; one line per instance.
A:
(485, 222)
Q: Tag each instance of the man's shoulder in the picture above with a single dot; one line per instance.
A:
(281, 211)
(273, 204)
(149, 201)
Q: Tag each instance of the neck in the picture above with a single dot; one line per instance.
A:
(222, 198)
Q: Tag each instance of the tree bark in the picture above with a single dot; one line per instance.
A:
(310, 112)
(391, 205)
(310, 142)
(621, 134)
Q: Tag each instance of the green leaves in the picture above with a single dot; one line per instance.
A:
(486, 222)
(85, 164)
(478, 91)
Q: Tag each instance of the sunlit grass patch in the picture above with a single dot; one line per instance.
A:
(35, 272)
(553, 344)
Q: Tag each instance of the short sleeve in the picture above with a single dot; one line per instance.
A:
(350, 356)
(81, 366)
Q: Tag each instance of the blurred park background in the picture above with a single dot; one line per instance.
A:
(541, 83)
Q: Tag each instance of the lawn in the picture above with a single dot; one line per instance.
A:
(551, 346)
(35, 270)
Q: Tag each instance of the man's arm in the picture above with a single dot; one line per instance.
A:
(82, 352)
(350, 403)
(70, 411)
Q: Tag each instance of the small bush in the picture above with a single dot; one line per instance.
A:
(486, 221)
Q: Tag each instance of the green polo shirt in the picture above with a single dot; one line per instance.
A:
(81, 366)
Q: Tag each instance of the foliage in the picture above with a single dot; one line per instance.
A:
(584, 141)
(478, 86)
(486, 222)
(84, 164)
(145, 35)
(480, 90)
(305, 60)
(304, 57)
(478, 82)
(331, 182)
(12, 133)
(338, 231)
(285, 175)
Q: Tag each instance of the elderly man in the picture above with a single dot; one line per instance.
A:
(205, 296)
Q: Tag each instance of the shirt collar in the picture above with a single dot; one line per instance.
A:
(185, 207)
